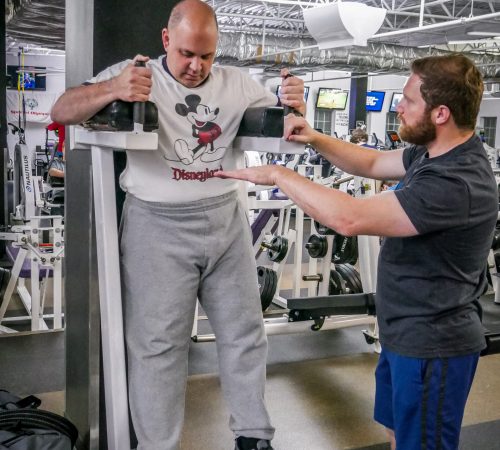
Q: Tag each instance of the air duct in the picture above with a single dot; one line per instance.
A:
(36, 22)
(243, 50)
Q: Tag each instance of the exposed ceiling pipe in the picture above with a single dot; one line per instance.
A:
(12, 7)
(421, 18)
(240, 49)
(434, 26)
(424, 28)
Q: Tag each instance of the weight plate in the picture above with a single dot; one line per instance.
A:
(345, 249)
(335, 285)
(317, 246)
(350, 277)
(268, 282)
(356, 277)
(266, 297)
(274, 285)
(279, 249)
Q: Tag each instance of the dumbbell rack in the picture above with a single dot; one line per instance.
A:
(369, 255)
(102, 144)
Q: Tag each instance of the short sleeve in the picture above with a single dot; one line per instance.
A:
(256, 94)
(435, 200)
(109, 72)
(410, 154)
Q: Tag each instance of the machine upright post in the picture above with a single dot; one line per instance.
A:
(113, 347)
(102, 144)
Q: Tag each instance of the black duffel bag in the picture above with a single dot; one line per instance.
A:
(34, 429)
(23, 427)
(10, 401)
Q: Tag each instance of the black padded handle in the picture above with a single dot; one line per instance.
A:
(139, 107)
(288, 109)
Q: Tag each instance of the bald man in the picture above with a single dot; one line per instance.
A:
(184, 234)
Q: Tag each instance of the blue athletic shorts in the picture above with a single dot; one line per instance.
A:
(423, 400)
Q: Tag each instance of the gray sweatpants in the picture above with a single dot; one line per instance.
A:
(172, 254)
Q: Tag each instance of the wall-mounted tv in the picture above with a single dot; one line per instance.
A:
(306, 92)
(329, 98)
(31, 78)
(375, 100)
(396, 98)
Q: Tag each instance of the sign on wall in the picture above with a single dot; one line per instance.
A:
(37, 106)
(341, 123)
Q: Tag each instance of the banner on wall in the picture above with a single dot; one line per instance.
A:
(341, 123)
(37, 106)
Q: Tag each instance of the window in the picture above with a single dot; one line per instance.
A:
(490, 129)
(323, 120)
(392, 122)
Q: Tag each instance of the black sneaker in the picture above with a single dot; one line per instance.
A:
(245, 443)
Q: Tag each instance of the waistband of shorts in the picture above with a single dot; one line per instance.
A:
(184, 207)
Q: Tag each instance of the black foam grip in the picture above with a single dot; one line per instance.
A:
(262, 122)
(288, 109)
(139, 107)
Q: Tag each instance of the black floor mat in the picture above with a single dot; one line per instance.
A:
(482, 436)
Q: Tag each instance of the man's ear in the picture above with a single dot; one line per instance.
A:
(165, 38)
(442, 114)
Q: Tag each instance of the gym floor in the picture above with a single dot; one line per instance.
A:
(320, 390)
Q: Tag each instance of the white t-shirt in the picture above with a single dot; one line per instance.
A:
(196, 129)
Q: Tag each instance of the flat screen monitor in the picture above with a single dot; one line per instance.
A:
(29, 78)
(396, 98)
(393, 137)
(375, 100)
(306, 92)
(331, 98)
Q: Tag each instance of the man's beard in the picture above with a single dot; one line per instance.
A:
(420, 134)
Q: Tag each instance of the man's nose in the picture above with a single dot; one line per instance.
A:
(195, 64)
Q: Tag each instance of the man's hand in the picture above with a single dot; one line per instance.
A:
(134, 83)
(263, 175)
(292, 91)
(297, 129)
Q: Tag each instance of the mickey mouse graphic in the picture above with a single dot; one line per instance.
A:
(201, 117)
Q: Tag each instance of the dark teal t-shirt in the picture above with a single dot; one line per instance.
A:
(428, 285)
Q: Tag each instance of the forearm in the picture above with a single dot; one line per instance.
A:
(350, 158)
(80, 103)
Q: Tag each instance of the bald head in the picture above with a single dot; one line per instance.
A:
(193, 11)
(190, 41)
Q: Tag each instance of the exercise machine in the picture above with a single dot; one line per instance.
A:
(36, 246)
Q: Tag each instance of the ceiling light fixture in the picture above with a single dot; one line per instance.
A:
(483, 33)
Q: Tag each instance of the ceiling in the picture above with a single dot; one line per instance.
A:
(408, 23)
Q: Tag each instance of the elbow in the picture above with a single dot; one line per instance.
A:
(63, 111)
(342, 225)
(56, 116)
(347, 228)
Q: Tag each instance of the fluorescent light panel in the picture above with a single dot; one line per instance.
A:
(483, 33)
